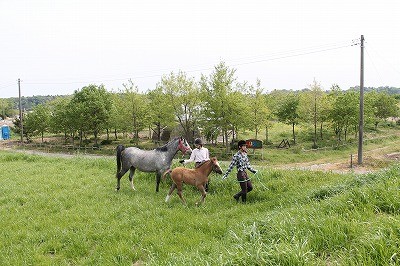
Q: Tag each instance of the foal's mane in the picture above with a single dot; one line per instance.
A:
(202, 163)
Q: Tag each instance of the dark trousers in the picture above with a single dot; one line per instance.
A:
(245, 185)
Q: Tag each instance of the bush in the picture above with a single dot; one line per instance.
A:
(106, 142)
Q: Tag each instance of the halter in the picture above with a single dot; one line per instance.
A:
(182, 147)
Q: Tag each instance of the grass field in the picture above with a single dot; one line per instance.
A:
(65, 211)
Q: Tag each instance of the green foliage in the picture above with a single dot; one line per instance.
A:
(92, 109)
(183, 94)
(64, 211)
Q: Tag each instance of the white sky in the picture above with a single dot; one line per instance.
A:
(58, 46)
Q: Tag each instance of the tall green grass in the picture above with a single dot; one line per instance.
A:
(58, 211)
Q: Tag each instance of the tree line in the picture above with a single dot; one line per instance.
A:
(215, 106)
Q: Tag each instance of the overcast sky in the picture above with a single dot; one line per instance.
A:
(58, 46)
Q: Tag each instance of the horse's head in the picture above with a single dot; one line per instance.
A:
(184, 146)
(216, 168)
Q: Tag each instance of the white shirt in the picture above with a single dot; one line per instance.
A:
(198, 156)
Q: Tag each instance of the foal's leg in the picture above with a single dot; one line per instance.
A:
(203, 193)
(131, 173)
(179, 186)
(173, 186)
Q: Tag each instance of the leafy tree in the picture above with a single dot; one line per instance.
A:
(92, 106)
(135, 109)
(161, 111)
(6, 109)
(259, 111)
(184, 96)
(220, 102)
(288, 112)
(118, 121)
(310, 107)
(60, 118)
(345, 113)
(37, 122)
(382, 106)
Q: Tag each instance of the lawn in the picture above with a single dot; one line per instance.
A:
(65, 211)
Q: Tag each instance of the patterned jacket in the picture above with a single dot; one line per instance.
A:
(241, 161)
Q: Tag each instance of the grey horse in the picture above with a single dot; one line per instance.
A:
(158, 160)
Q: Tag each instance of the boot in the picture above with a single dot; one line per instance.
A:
(237, 196)
(244, 197)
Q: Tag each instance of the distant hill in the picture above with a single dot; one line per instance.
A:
(387, 89)
(29, 102)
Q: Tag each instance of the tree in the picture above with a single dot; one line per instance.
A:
(92, 105)
(310, 107)
(259, 111)
(184, 96)
(60, 118)
(135, 108)
(220, 102)
(345, 113)
(6, 108)
(382, 106)
(288, 113)
(37, 122)
(161, 111)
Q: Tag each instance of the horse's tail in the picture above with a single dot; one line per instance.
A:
(166, 172)
(120, 148)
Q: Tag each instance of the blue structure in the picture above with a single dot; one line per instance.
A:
(5, 132)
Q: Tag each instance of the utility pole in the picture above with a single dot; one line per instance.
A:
(20, 112)
(361, 122)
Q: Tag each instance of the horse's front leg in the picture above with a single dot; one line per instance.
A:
(131, 173)
(158, 180)
(203, 194)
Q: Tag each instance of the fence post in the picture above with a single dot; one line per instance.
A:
(351, 160)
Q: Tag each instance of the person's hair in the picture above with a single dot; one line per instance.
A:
(241, 143)
(198, 141)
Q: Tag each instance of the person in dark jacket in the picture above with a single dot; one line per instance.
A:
(242, 163)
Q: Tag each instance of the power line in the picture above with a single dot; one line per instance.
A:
(235, 62)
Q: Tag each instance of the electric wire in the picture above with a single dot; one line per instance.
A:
(234, 63)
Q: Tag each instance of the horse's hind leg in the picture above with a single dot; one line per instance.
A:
(179, 186)
(131, 173)
(173, 186)
(118, 176)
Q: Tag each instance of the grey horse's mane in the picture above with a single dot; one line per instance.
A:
(165, 146)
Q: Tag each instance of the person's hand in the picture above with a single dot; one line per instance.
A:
(181, 161)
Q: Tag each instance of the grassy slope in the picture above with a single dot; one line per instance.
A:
(57, 211)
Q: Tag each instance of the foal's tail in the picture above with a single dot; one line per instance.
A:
(166, 172)
(120, 148)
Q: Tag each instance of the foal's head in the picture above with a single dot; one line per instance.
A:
(216, 168)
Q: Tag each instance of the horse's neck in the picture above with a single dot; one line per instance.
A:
(208, 166)
(172, 149)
